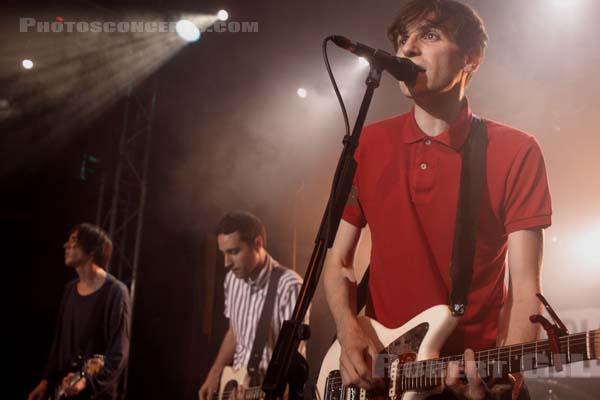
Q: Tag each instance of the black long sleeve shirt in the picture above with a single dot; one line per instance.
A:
(97, 323)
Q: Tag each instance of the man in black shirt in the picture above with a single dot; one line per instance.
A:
(93, 320)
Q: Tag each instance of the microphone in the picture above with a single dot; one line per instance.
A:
(402, 69)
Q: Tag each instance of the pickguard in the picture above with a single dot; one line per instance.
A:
(405, 348)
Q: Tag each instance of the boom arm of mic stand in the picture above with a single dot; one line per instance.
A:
(293, 330)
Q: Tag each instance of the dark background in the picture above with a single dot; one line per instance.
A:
(230, 132)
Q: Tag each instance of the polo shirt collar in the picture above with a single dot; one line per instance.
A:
(454, 136)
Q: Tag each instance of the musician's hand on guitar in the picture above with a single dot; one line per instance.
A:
(466, 383)
(505, 388)
(356, 358)
(39, 391)
(239, 393)
(210, 385)
(78, 387)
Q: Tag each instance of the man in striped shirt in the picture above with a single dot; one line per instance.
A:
(241, 238)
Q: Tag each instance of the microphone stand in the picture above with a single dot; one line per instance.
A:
(287, 365)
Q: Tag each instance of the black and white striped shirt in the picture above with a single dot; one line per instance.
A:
(244, 300)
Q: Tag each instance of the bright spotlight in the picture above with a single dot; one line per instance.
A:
(187, 30)
(27, 64)
(363, 62)
(301, 93)
(223, 15)
(586, 247)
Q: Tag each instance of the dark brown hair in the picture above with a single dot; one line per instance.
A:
(459, 20)
(93, 240)
(248, 225)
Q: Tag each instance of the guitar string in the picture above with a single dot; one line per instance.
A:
(228, 392)
(432, 367)
(439, 365)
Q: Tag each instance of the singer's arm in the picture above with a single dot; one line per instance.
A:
(340, 291)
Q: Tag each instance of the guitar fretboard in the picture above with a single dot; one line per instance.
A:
(252, 393)
(426, 374)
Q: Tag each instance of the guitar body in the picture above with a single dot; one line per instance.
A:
(421, 338)
(91, 367)
(230, 380)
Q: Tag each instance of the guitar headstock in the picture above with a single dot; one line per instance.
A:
(94, 365)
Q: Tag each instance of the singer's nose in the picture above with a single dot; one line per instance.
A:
(408, 47)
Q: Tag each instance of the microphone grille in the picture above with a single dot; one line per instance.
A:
(342, 41)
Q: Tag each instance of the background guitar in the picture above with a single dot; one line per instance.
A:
(92, 366)
(231, 379)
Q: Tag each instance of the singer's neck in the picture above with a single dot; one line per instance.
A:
(434, 114)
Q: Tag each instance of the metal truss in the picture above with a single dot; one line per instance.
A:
(126, 214)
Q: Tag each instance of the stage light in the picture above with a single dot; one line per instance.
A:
(27, 64)
(222, 15)
(363, 62)
(187, 30)
(586, 248)
(301, 93)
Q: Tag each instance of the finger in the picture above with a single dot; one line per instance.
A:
(453, 374)
(503, 387)
(471, 368)
(349, 375)
(345, 375)
(363, 361)
(240, 392)
(517, 382)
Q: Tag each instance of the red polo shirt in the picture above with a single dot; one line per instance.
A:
(406, 189)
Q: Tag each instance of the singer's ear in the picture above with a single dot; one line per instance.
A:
(470, 68)
(472, 60)
(259, 242)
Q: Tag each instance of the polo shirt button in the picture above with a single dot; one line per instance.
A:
(427, 142)
(423, 165)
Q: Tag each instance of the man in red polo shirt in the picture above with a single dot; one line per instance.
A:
(406, 190)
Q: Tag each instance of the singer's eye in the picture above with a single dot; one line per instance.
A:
(431, 36)
(402, 40)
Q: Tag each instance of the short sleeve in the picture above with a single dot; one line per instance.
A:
(527, 203)
(289, 289)
(353, 212)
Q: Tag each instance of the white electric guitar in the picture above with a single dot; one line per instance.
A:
(411, 365)
(231, 379)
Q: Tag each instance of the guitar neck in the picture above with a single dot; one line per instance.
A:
(422, 375)
(252, 393)
(538, 354)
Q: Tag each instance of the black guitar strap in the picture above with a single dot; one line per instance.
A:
(472, 176)
(262, 328)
